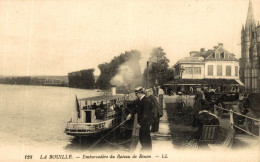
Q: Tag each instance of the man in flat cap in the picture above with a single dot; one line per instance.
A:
(144, 118)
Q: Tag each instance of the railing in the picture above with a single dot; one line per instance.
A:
(248, 121)
(107, 92)
(88, 127)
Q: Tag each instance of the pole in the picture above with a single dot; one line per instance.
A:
(147, 81)
(231, 119)
(135, 133)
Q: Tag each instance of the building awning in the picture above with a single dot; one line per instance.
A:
(239, 82)
(204, 82)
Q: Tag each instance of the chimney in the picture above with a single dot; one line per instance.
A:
(220, 44)
(192, 53)
(202, 50)
(113, 90)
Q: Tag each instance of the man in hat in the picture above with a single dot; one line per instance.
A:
(157, 112)
(144, 118)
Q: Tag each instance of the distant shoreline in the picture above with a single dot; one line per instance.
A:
(60, 81)
(49, 85)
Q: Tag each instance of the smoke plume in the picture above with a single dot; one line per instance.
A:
(128, 74)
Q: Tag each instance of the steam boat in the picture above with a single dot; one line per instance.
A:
(96, 114)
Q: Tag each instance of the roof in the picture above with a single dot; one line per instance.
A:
(191, 59)
(204, 54)
(104, 97)
(203, 81)
(210, 55)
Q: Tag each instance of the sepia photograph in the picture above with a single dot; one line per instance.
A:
(130, 80)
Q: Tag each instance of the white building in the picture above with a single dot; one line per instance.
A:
(215, 63)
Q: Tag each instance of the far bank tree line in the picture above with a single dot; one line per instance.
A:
(157, 71)
(27, 80)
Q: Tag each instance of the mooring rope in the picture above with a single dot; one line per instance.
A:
(112, 143)
(102, 137)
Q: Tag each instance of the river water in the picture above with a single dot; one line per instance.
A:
(33, 118)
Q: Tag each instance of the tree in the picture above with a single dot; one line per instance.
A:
(157, 71)
(82, 79)
(87, 79)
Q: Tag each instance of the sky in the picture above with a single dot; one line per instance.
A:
(54, 37)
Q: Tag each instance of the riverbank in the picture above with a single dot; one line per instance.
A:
(181, 126)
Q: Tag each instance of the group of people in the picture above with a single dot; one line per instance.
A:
(201, 114)
(148, 112)
(100, 110)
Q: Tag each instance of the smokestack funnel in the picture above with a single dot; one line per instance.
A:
(113, 90)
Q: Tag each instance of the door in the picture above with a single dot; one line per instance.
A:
(88, 116)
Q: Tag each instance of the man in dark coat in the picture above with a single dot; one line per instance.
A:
(144, 118)
(155, 110)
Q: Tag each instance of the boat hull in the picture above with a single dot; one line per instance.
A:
(84, 133)
(90, 129)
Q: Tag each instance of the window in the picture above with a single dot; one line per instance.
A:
(196, 70)
(226, 56)
(222, 55)
(228, 70)
(217, 55)
(188, 70)
(210, 70)
(236, 71)
(219, 70)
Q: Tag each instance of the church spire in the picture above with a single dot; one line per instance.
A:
(250, 20)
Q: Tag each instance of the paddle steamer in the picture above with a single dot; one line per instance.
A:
(96, 114)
